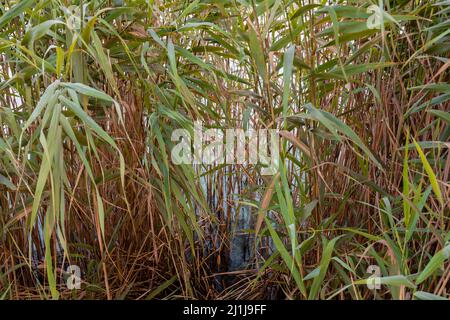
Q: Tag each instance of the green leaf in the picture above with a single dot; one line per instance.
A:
(88, 91)
(257, 52)
(435, 263)
(324, 262)
(287, 74)
(422, 295)
(6, 182)
(286, 257)
(38, 31)
(430, 173)
(397, 281)
(15, 11)
(441, 114)
(161, 288)
(335, 125)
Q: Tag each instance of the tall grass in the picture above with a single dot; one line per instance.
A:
(91, 92)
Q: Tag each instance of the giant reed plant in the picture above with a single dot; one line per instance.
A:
(91, 92)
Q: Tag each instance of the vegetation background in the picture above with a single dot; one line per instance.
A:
(92, 90)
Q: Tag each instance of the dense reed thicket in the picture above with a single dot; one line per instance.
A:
(91, 92)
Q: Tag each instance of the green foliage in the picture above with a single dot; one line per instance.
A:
(91, 92)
